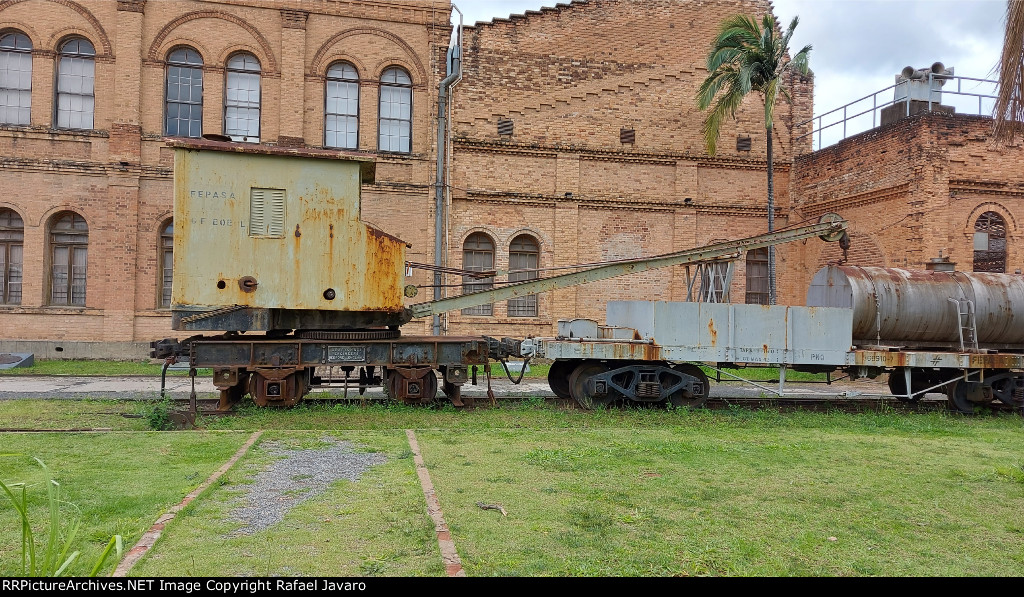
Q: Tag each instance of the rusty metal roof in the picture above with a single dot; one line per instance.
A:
(368, 161)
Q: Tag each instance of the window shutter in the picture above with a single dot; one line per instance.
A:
(266, 213)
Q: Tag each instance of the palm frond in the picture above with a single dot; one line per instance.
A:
(747, 55)
(1009, 108)
(726, 107)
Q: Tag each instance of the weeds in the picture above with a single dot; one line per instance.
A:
(158, 416)
(54, 559)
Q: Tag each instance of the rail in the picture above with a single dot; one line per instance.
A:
(830, 228)
(853, 117)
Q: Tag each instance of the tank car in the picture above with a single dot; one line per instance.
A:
(925, 309)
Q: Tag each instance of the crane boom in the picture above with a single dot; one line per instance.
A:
(830, 227)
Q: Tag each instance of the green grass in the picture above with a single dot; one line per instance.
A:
(841, 498)
(640, 492)
(376, 526)
(117, 415)
(116, 483)
(537, 370)
(100, 368)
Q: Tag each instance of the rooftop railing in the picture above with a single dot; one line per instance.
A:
(966, 94)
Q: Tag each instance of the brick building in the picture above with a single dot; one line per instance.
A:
(913, 190)
(574, 139)
(89, 89)
(577, 140)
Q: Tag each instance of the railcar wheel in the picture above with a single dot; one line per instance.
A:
(277, 389)
(558, 378)
(898, 386)
(1009, 390)
(683, 398)
(964, 396)
(578, 387)
(422, 391)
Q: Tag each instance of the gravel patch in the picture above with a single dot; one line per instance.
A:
(295, 477)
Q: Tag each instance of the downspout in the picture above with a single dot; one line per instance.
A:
(440, 215)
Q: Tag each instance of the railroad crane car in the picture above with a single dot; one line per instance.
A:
(278, 279)
(269, 247)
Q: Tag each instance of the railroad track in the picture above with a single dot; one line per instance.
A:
(814, 404)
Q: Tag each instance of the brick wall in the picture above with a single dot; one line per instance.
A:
(910, 189)
(571, 79)
(118, 175)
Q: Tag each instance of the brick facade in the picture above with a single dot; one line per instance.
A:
(117, 175)
(569, 80)
(912, 190)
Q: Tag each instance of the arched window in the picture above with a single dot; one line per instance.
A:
(69, 248)
(757, 277)
(15, 78)
(184, 111)
(523, 261)
(166, 263)
(242, 99)
(12, 237)
(395, 111)
(478, 256)
(76, 84)
(990, 232)
(341, 115)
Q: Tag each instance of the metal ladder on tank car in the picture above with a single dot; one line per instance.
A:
(967, 324)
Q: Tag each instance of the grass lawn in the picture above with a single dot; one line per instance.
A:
(617, 493)
(376, 526)
(115, 483)
(99, 368)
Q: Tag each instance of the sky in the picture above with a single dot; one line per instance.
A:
(858, 47)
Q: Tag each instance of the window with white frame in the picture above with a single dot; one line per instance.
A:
(395, 111)
(183, 113)
(76, 84)
(341, 114)
(242, 99)
(15, 78)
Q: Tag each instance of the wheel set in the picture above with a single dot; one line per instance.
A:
(596, 384)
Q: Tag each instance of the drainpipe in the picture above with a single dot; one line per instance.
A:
(440, 215)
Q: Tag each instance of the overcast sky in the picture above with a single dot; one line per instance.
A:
(860, 45)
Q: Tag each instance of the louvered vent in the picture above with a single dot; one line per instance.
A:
(742, 143)
(506, 127)
(627, 136)
(266, 213)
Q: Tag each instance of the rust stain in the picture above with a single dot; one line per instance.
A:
(377, 232)
(364, 266)
(713, 332)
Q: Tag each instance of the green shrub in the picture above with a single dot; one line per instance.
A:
(158, 416)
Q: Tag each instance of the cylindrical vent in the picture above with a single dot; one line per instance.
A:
(895, 305)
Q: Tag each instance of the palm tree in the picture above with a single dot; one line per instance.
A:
(1009, 109)
(745, 57)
